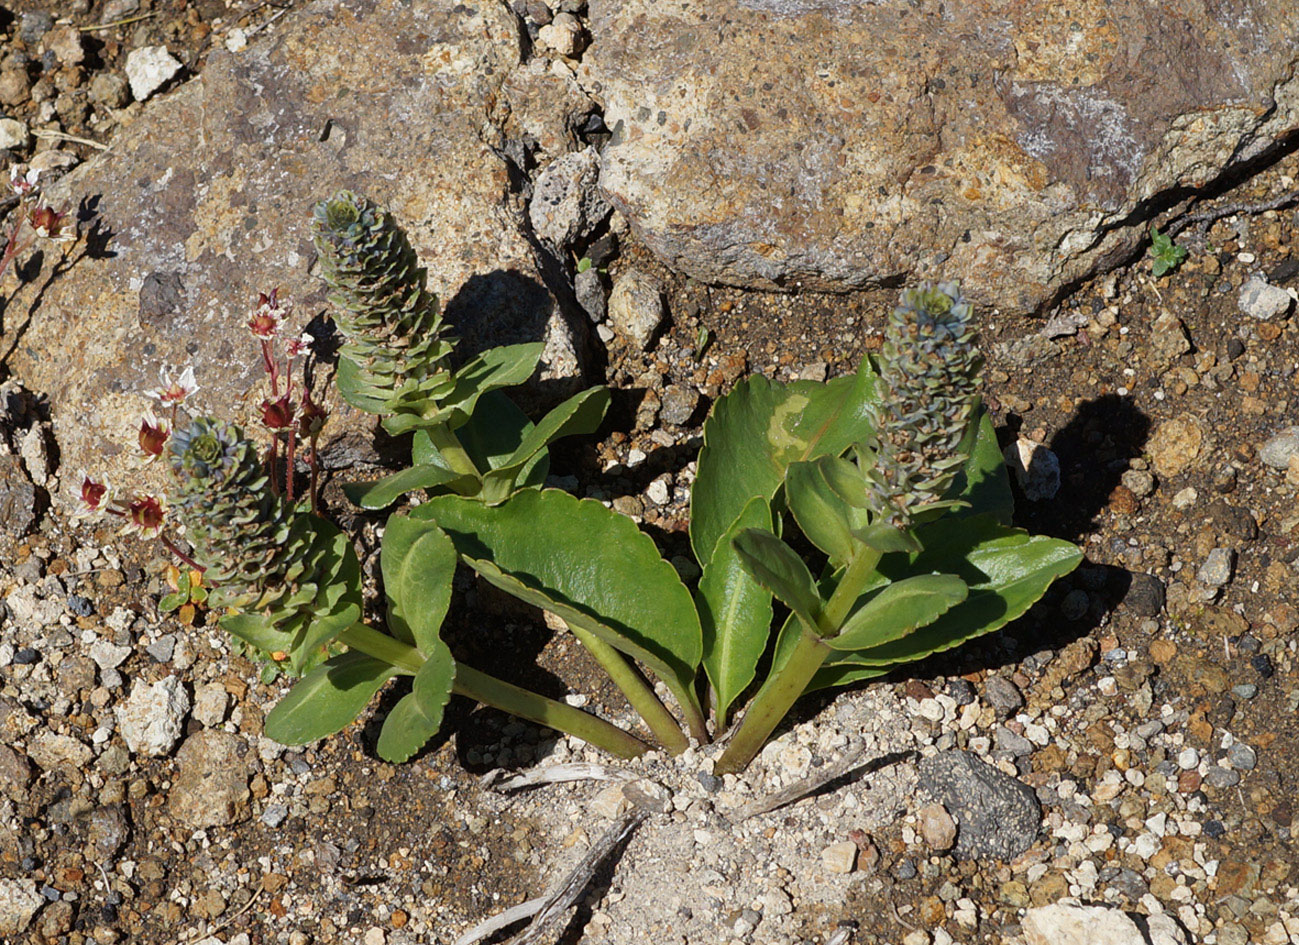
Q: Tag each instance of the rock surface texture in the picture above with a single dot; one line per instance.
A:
(206, 201)
(835, 144)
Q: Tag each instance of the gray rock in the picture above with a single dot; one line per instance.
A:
(52, 750)
(33, 25)
(1139, 482)
(211, 785)
(1242, 757)
(197, 196)
(636, 308)
(998, 816)
(1016, 745)
(19, 901)
(1217, 568)
(566, 200)
(1219, 777)
(1145, 596)
(210, 703)
(108, 655)
(1262, 300)
(15, 773)
(151, 719)
(1281, 448)
(588, 286)
(108, 830)
(761, 143)
(163, 648)
(679, 404)
(149, 68)
(109, 91)
(274, 815)
(17, 500)
(1002, 694)
(13, 134)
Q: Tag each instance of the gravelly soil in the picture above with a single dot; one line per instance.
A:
(1150, 703)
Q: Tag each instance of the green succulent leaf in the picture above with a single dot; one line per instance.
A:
(254, 629)
(172, 602)
(418, 562)
(983, 481)
(352, 387)
(777, 567)
(505, 366)
(1006, 570)
(886, 537)
(581, 413)
(735, 613)
(898, 609)
(589, 565)
(386, 491)
(821, 515)
(417, 716)
(327, 699)
(759, 429)
(844, 479)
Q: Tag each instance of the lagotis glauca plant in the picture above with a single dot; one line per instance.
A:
(892, 477)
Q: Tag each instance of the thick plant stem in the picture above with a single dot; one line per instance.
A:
(448, 445)
(499, 694)
(528, 705)
(773, 702)
(641, 696)
(859, 571)
(392, 651)
(783, 688)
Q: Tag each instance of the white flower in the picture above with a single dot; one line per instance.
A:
(176, 391)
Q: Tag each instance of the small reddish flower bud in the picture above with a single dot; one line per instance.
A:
(146, 515)
(94, 495)
(278, 414)
(48, 223)
(153, 437)
(311, 418)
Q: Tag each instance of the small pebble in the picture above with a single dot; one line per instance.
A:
(1262, 300)
(1217, 568)
(937, 826)
(840, 857)
(1219, 777)
(1241, 757)
(1278, 451)
(1245, 691)
(1188, 758)
(905, 869)
(1262, 664)
(1002, 694)
(1075, 604)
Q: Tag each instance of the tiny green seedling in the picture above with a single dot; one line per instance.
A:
(1165, 254)
(187, 593)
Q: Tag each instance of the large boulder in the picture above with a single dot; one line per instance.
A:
(205, 201)
(1016, 145)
